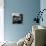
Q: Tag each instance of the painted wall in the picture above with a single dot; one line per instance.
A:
(43, 6)
(1, 20)
(13, 32)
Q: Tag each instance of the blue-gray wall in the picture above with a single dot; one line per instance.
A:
(13, 32)
(43, 6)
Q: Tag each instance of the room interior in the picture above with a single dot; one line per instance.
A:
(17, 25)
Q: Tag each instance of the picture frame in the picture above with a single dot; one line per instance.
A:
(17, 18)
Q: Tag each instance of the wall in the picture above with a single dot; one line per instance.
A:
(13, 32)
(1, 20)
(42, 6)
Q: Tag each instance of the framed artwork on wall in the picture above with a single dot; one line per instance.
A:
(17, 18)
